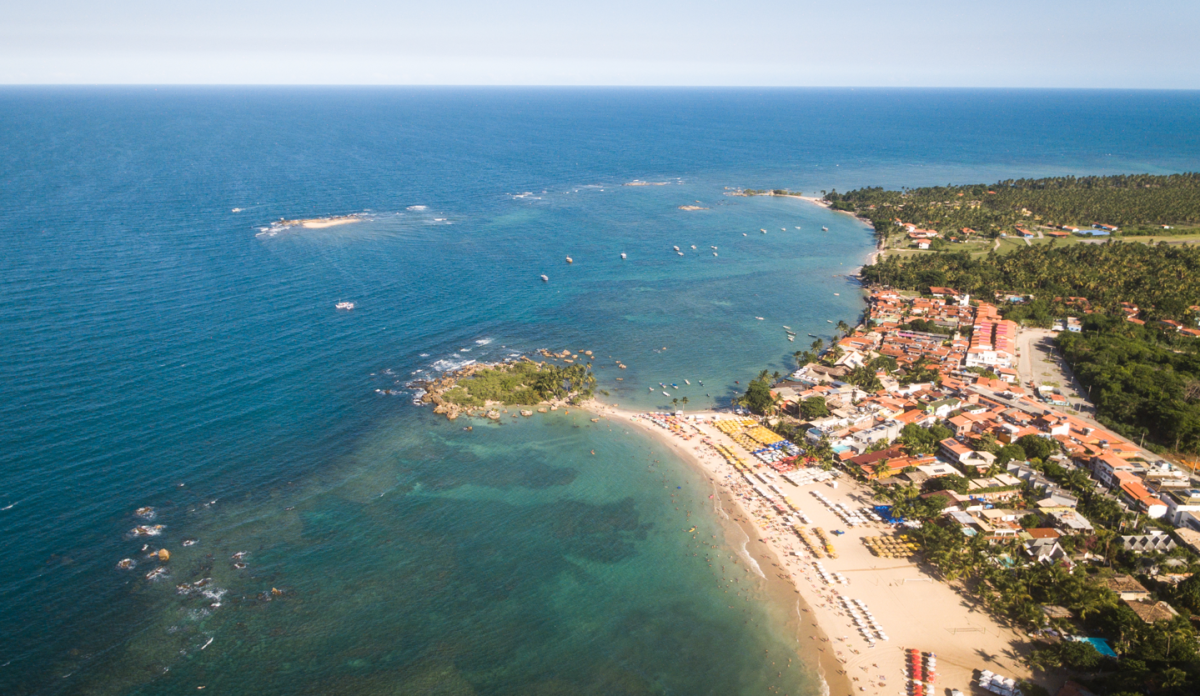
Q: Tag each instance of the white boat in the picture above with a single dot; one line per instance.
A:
(693, 246)
(687, 382)
(666, 394)
(783, 229)
(786, 327)
(344, 305)
(837, 294)
(622, 254)
(745, 235)
(828, 321)
(797, 227)
(545, 279)
(791, 338)
(762, 230)
(824, 229)
(759, 318)
(714, 253)
(569, 260)
(679, 252)
(713, 248)
(675, 248)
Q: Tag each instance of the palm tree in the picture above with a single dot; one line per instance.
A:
(684, 401)
(817, 345)
(843, 327)
(676, 403)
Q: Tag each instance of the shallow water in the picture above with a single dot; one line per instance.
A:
(162, 350)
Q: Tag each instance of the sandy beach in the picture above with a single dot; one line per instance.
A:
(320, 223)
(914, 609)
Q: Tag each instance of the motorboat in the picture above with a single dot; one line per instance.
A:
(347, 306)
(545, 279)
(622, 254)
(569, 260)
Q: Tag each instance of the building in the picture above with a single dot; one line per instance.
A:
(1155, 541)
(1180, 502)
(1127, 587)
(1151, 612)
(993, 340)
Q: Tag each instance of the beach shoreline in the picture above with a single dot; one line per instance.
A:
(734, 515)
(918, 611)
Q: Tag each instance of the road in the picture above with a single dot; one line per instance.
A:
(1039, 361)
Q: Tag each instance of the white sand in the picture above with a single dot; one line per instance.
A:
(321, 223)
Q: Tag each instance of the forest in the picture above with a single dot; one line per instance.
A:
(1162, 280)
(1139, 385)
(990, 210)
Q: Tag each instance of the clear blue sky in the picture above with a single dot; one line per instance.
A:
(948, 43)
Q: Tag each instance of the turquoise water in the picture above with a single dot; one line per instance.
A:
(162, 350)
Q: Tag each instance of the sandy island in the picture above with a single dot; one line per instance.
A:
(914, 609)
(320, 223)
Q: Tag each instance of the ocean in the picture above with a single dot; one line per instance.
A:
(165, 345)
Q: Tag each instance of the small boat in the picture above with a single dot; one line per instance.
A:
(569, 260)
(691, 530)
(797, 227)
(745, 235)
(714, 253)
(713, 248)
(783, 229)
(344, 306)
(545, 279)
(824, 229)
(676, 248)
(828, 321)
(687, 382)
(674, 386)
(759, 318)
(786, 327)
(791, 337)
(837, 294)
(812, 335)
(679, 252)
(762, 230)
(666, 394)
(622, 254)
(693, 246)
(650, 388)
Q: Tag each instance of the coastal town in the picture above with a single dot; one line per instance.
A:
(917, 479)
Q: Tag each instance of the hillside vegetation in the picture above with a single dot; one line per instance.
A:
(1125, 200)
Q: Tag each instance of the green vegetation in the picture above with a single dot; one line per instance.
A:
(758, 396)
(1140, 383)
(522, 384)
(813, 408)
(1127, 200)
(769, 192)
(927, 326)
(1163, 280)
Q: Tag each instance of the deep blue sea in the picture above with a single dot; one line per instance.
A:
(163, 345)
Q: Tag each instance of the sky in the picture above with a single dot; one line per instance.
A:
(868, 43)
